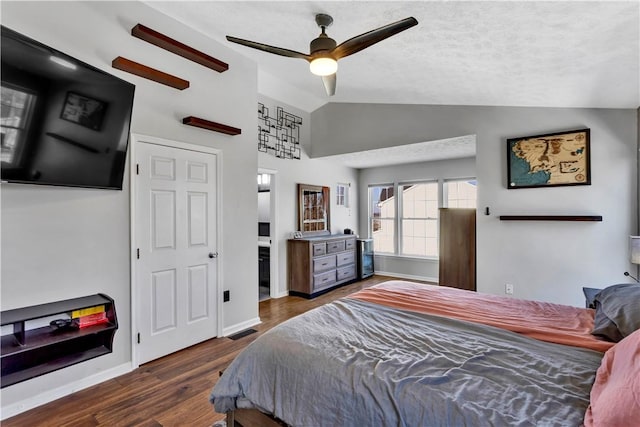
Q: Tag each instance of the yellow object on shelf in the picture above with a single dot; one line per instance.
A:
(87, 311)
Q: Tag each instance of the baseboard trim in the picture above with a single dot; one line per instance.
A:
(230, 330)
(407, 276)
(281, 295)
(65, 390)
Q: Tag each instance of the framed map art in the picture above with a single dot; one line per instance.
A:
(550, 160)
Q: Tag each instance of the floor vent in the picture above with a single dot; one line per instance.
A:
(242, 334)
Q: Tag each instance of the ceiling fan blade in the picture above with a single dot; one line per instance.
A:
(329, 84)
(270, 49)
(363, 41)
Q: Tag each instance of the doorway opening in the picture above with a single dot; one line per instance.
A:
(264, 235)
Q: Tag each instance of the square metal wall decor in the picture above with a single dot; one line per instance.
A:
(279, 135)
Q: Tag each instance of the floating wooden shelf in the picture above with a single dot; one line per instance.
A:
(132, 67)
(30, 353)
(206, 124)
(550, 218)
(174, 46)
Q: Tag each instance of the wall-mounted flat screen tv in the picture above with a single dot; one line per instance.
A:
(63, 122)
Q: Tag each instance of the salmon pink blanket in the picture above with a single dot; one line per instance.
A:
(544, 321)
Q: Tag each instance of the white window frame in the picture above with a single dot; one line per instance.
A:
(370, 217)
(399, 214)
(445, 195)
(342, 194)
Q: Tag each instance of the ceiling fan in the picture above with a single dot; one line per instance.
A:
(324, 52)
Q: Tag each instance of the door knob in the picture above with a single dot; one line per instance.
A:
(213, 255)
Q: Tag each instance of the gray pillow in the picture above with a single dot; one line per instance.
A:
(589, 295)
(617, 311)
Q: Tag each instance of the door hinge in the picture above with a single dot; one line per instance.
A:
(138, 337)
(138, 253)
(137, 168)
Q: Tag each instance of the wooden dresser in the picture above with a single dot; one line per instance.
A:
(318, 264)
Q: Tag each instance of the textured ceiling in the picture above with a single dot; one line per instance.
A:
(505, 53)
(525, 53)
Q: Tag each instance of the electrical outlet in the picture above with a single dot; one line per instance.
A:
(508, 289)
(225, 296)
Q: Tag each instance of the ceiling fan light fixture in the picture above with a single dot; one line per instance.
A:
(324, 52)
(323, 66)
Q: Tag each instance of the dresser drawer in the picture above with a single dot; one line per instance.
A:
(345, 273)
(324, 279)
(350, 244)
(319, 249)
(336, 246)
(345, 258)
(324, 263)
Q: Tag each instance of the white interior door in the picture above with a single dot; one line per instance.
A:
(176, 275)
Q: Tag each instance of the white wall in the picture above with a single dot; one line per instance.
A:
(60, 243)
(288, 174)
(404, 266)
(544, 260)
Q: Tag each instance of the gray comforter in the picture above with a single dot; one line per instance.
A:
(353, 363)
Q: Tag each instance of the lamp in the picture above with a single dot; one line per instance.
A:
(634, 251)
(323, 66)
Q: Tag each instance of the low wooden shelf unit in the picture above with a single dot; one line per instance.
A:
(31, 352)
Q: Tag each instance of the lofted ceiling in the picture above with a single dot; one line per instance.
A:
(502, 53)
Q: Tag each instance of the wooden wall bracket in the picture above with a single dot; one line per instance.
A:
(596, 218)
(141, 70)
(209, 125)
(174, 46)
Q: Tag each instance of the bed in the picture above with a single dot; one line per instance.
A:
(407, 354)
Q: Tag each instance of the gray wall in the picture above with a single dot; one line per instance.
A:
(289, 173)
(403, 266)
(60, 243)
(544, 260)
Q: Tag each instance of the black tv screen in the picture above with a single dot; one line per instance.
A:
(63, 122)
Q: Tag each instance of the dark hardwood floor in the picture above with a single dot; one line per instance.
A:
(173, 390)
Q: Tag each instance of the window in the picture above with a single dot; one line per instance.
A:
(382, 215)
(407, 223)
(16, 110)
(461, 193)
(419, 219)
(342, 195)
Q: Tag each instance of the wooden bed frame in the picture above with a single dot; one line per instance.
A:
(250, 418)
